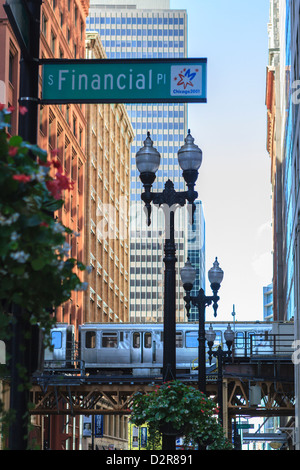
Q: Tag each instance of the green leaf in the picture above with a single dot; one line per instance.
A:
(38, 264)
(42, 154)
(15, 141)
(33, 221)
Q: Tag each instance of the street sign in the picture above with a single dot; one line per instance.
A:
(245, 426)
(20, 19)
(124, 81)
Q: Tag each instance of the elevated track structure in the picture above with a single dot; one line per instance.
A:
(260, 385)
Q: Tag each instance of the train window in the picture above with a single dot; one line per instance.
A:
(136, 340)
(109, 340)
(147, 340)
(179, 339)
(56, 339)
(90, 339)
(218, 339)
(239, 340)
(191, 339)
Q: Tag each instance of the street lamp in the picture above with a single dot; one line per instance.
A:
(221, 355)
(201, 301)
(147, 161)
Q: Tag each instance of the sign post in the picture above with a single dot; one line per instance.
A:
(124, 81)
(20, 19)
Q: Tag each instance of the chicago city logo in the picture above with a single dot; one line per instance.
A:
(186, 80)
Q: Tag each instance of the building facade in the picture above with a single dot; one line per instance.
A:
(62, 132)
(196, 254)
(149, 29)
(268, 302)
(283, 140)
(293, 62)
(109, 139)
(9, 67)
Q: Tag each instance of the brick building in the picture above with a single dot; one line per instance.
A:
(61, 131)
(109, 138)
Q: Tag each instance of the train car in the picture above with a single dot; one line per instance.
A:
(62, 353)
(137, 349)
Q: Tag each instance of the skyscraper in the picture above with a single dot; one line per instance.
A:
(149, 29)
(196, 254)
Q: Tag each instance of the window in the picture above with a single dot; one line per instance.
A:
(136, 341)
(147, 340)
(90, 339)
(44, 25)
(53, 42)
(56, 339)
(191, 339)
(11, 67)
(239, 340)
(109, 340)
(179, 339)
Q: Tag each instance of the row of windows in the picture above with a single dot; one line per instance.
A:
(146, 44)
(113, 339)
(143, 55)
(160, 125)
(140, 32)
(153, 113)
(144, 282)
(108, 20)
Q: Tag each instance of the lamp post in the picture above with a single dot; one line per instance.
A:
(221, 355)
(215, 276)
(147, 161)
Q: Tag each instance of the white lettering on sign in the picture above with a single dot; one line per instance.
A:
(61, 78)
(84, 81)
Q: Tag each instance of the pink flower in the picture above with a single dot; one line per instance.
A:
(54, 189)
(57, 165)
(22, 178)
(64, 182)
(40, 162)
(60, 183)
(23, 110)
(13, 151)
(2, 106)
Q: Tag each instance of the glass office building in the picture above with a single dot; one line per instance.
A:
(196, 254)
(149, 29)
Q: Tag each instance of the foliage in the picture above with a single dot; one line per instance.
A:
(35, 273)
(190, 412)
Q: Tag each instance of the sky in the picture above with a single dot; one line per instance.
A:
(234, 179)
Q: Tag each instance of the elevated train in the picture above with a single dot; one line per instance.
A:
(137, 348)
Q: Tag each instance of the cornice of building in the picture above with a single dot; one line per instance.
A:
(85, 6)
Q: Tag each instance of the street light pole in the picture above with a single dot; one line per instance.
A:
(221, 355)
(147, 161)
(201, 301)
